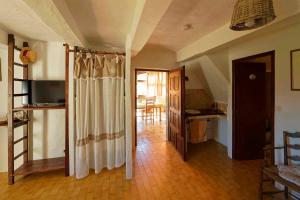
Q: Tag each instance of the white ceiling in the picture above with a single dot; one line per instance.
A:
(103, 23)
(17, 17)
(203, 15)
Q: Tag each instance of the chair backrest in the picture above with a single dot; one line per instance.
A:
(289, 147)
(150, 101)
(141, 99)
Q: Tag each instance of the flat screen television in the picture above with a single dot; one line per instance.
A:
(43, 92)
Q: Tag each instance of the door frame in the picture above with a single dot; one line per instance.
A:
(234, 101)
(135, 96)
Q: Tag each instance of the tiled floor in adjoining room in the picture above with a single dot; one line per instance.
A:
(159, 173)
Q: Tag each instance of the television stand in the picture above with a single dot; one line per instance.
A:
(46, 104)
(36, 107)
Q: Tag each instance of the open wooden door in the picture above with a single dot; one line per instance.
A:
(176, 132)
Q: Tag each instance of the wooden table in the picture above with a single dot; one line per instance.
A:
(157, 107)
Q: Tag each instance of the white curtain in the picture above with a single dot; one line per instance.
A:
(100, 136)
(156, 83)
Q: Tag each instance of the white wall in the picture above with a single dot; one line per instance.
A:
(287, 107)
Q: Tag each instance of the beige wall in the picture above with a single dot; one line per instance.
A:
(154, 56)
(197, 79)
(210, 72)
(197, 99)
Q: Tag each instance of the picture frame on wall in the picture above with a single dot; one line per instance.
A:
(295, 70)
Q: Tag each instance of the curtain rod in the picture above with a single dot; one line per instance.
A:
(77, 49)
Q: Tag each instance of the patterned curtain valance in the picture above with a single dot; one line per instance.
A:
(89, 65)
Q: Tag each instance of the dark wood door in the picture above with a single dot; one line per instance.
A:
(249, 110)
(176, 133)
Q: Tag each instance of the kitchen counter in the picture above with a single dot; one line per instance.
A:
(204, 114)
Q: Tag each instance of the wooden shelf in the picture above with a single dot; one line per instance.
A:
(19, 79)
(35, 166)
(40, 166)
(3, 123)
(17, 123)
(20, 95)
(20, 65)
(39, 108)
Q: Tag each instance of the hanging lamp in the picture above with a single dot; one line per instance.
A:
(251, 14)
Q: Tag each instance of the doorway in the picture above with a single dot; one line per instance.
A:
(151, 103)
(253, 105)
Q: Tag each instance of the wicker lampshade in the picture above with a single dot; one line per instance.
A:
(251, 14)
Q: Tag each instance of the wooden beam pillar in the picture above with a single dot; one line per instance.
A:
(67, 166)
(10, 106)
(26, 127)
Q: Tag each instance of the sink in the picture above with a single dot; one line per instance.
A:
(203, 112)
(192, 112)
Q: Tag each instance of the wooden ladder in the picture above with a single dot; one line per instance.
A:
(12, 121)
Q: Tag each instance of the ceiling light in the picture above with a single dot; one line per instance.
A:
(251, 14)
(187, 27)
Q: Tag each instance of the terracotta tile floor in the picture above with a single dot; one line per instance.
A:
(159, 173)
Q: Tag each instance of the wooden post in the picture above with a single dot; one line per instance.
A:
(10, 106)
(74, 95)
(67, 110)
(285, 160)
(26, 127)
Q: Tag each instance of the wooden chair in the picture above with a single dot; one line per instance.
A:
(141, 104)
(150, 104)
(270, 173)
